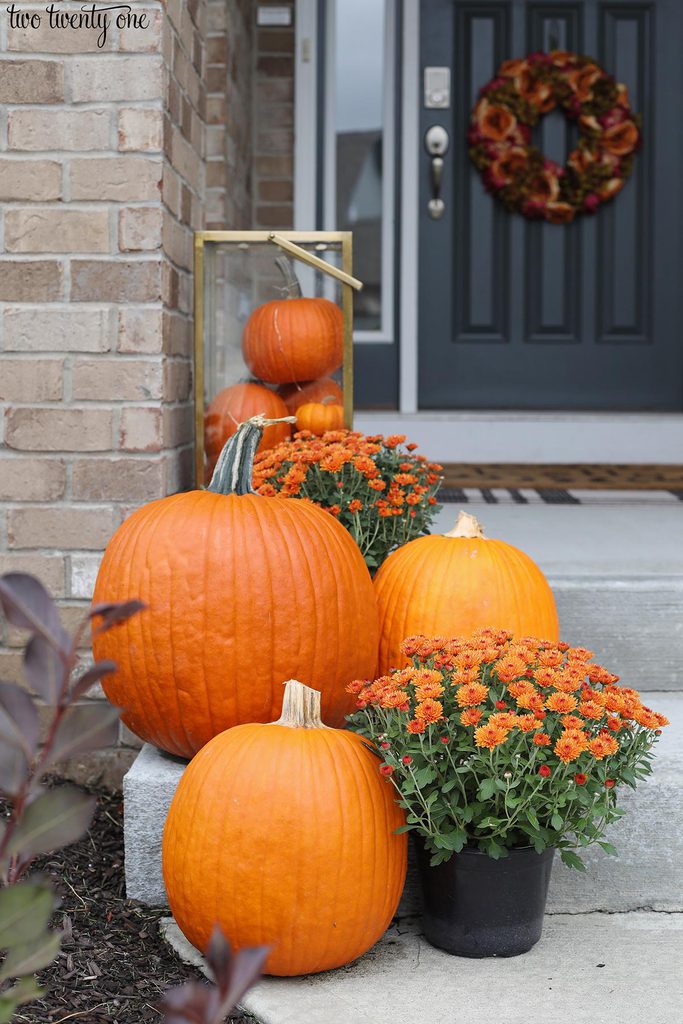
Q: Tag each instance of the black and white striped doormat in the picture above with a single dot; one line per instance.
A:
(552, 496)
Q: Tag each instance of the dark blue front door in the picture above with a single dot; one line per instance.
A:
(528, 315)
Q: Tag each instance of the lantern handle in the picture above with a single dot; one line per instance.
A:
(315, 261)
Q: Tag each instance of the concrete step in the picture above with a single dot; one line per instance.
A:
(586, 968)
(617, 576)
(647, 875)
(482, 436)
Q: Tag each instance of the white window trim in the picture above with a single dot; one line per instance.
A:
(305, 115)
(410, 206)
(306, 100)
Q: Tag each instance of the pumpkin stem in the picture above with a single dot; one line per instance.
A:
(235, 467)
(466, 526)
(292, 287)
(300, 707)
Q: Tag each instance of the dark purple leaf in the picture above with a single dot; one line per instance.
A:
(19, 723)
(53, 820)
(247, 966)
(13, 769)
(32, 957)
(115, 614)
(92, 676)
(84, 727)
(219, 954)
(26, 603)
(44, 669)
(192, 1003)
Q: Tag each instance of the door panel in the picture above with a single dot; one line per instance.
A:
(520, 314)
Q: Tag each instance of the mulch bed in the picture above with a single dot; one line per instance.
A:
(114, 965)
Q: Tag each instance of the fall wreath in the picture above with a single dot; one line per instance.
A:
(516, 172)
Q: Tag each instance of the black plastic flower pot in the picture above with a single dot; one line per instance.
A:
(475, 906)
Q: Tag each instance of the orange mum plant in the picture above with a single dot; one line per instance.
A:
(376, 487)
(498, 743)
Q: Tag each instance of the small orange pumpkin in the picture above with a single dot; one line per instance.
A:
(319, 417)
(454, 584)
(234, 405)
(294, 338)
(243, 592)
(284, 835)
(296, 395)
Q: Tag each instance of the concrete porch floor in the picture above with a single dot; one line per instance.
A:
(638, 538)
(587, 968)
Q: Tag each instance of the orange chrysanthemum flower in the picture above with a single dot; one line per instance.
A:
(429, 711)
(579, 654)
(591, 709)
(471, 716)
(415, 726)
(527, 723)
(504, 719)
(602, 746)
(541, 739)
(490, 736)
(648, 719)
(562, 702)
(572, 722)
(394, 699)
(550, 658)
(471, 694)
(568, 748)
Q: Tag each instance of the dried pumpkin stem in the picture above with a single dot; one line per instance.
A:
(300, 707)
(235, 467)
(466, 526)
(292, 287)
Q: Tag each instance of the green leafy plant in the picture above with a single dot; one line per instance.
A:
(380, 491)
(234, 974)
(41, 820)
(498, 744)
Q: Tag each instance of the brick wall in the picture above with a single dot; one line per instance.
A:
(229, 113)
(110, 158)
(102, 180)
(273, 126)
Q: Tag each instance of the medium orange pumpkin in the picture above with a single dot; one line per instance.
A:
(296, 395)
(452, 585)
(234, 405)
(284, 835)
(319, 417)
(243, 592)
(295, 338)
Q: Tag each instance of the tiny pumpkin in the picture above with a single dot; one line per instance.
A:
(296, 395)
(454, 584)
(235, 404)
(298, 851)
(318, 417)
(294, 338)
(243, 592)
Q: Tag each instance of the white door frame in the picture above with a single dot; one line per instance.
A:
(306, 149)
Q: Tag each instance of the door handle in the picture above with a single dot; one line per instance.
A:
(436, 143)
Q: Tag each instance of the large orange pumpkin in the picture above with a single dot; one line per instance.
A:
(296, 395)
(233, 406)
(453, 584)
(243, 592)
(284, 835)
(294, 338)
(318, 417)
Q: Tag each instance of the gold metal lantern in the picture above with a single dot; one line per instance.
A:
(256, 352)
